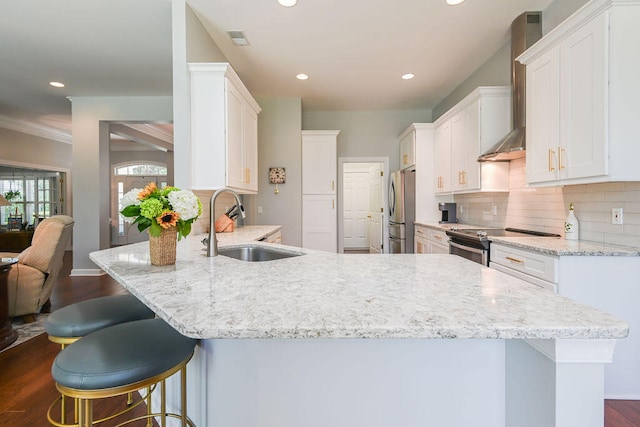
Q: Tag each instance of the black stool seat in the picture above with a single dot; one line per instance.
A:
(122, 354)
(83, 318)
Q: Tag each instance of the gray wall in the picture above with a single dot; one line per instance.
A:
(279, 144)
(496, 71)
(366, 133)
(18, 147)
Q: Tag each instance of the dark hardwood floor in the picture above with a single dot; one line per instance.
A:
(27, 389)
(26, 386)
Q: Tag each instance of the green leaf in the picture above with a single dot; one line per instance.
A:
(155, 229)
(131, 210)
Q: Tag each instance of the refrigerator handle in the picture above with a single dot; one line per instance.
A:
(392, 199)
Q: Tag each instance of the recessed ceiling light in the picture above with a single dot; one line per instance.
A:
(288, 3)
(302, 76)
(56, 84)
(454, 2)
(408, 76)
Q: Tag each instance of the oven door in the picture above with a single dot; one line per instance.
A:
(479, 255)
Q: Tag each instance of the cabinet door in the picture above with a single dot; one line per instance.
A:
(408, 151)
(319, 222)
(250, 149)
(542, 131)
(583, 90)
(319, 167)
(420, 245)
(465, 148)
(235, 149)
(442, 158)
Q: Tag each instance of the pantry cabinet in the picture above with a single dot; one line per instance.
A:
(582, 105)
(319, 177)
(224, 130)
(466, 131)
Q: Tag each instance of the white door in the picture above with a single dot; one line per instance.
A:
(376, 215)
(356, 209)
(122, 232)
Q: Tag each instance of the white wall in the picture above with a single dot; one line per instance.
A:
(91, 171)
(279, 144)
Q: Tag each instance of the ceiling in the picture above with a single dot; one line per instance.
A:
(354, 51)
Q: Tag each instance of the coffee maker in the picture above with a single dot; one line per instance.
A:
(448, 213)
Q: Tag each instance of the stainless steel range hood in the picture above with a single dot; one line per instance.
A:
(526, 29)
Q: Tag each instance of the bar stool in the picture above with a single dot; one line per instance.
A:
(122, 359)
(70, 323)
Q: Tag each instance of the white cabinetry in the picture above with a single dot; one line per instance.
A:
(407, 150)
(319, 175)
(582, 97)
(224, 130)
(430, 241)
(420, 136)
(603, 282)
(466, 131)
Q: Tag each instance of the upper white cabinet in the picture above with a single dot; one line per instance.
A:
(582, 97)
(466, 131)
(224, 130)
(420, 136)
(319, 161)
(407, 150)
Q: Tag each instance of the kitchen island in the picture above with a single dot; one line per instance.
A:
(325, 339)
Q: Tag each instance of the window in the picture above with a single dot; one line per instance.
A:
(143, 169)
(39, 196)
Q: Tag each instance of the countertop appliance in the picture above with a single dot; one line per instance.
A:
(448, 213)
(473, 243)
(402, 211)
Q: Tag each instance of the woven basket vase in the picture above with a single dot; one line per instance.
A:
(162, 249)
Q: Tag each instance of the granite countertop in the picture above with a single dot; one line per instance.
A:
(550, 245)
(561, 247)
(329, 295)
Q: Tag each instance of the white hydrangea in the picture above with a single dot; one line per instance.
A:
(130, 198)
(185, 204)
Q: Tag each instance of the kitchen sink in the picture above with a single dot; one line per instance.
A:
(255, 253)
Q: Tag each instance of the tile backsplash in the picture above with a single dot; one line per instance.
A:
(545, 209)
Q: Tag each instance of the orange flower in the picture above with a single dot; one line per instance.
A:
(147, 191)
(168, 219)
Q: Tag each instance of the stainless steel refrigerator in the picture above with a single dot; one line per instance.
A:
(402, 211)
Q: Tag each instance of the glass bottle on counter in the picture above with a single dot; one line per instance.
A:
(571, 225)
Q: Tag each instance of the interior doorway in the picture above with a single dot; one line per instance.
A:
(362, 225)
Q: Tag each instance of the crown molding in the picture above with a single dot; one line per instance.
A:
(34, 129)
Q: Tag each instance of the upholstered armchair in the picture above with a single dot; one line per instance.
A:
(32, 278)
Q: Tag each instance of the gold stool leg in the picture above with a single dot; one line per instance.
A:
(163, 404)
(149, 419)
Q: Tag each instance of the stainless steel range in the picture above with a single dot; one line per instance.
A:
(473, 243)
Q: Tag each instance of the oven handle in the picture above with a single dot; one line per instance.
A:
(467, 248)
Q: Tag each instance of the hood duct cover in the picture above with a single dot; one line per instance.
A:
(526, 29)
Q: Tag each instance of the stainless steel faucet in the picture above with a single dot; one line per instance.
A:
(212, 247)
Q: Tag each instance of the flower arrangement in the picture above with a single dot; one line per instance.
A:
(156, 209)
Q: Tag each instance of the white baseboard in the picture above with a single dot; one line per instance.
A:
(86, 272)
(622, 396)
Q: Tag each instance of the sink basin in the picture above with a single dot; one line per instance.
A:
(255, 253)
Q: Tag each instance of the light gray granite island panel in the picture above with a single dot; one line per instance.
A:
(376, 340)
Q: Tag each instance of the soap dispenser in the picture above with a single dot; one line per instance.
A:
(571, 225)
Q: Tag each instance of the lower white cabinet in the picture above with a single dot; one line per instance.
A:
(607, 283)
(319, 219)
(430, 241)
